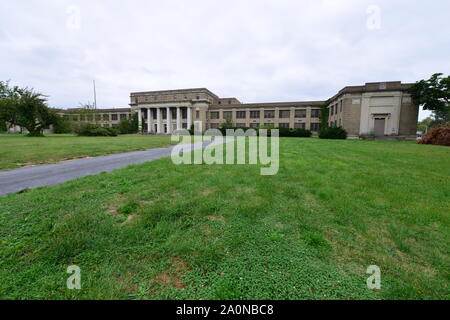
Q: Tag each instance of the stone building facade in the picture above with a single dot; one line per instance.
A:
(103, 117)
(381, 109)
(378, 109)
(373, 109)
(166, 111)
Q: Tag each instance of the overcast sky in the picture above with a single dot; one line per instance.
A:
(257, 51)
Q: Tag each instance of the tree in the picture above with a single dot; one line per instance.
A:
(26, 108)
(8, 101)
(433, 94)
(3, 126)
(227, 124)
(424, 124)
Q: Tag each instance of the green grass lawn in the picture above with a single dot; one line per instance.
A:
(18, 150)
(160, 231)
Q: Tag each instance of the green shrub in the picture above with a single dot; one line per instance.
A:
(92, 130)
(332, 133)
(285, 132)
(62, 126)
(127, 127)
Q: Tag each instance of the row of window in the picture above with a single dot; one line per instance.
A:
(336, 123)
(98, 117)
(334, 109)
(269, 114)
(313, 126)
(166, 97)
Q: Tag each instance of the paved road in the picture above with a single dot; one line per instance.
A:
(48, 175)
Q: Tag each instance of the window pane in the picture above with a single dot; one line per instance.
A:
(269, 114)
(285, 113)
(300, 113)
(240, 114)
(254, 114)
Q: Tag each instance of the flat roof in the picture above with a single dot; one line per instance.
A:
(174, 91)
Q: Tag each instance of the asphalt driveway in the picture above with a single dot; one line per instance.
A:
(17, 180)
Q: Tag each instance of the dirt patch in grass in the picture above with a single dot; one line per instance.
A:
(130, 219)
(207, 192)
(206, 229)
(217, 218)
(173, 276)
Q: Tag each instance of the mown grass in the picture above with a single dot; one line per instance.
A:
(18, 150)
(160, 231)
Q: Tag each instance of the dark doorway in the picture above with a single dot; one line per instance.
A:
(379, 126)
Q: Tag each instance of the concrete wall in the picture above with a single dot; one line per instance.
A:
(409, 114)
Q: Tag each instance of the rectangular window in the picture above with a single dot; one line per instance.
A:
(197, 114)
(299, 126)
(240, 125)
(214, 115)
(106, 117)
(75, 118)
(214, 125)
(283, 125)
(254, 114)
(315, 126)
(270, 114)
(331, 110)
(254, 125)
(285, 114)
(300, 113)
(123, 116)
(240, 114)
(315, 113)
(114, 117)
(227, 115)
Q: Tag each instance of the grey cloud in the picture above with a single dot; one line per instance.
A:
(256, 51)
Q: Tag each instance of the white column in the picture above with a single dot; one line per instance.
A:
(178, 118)
(139, 120)
(149, 120)
(158, 120)
(169, 120)
(189, 118)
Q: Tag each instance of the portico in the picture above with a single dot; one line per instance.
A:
(164, 119)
